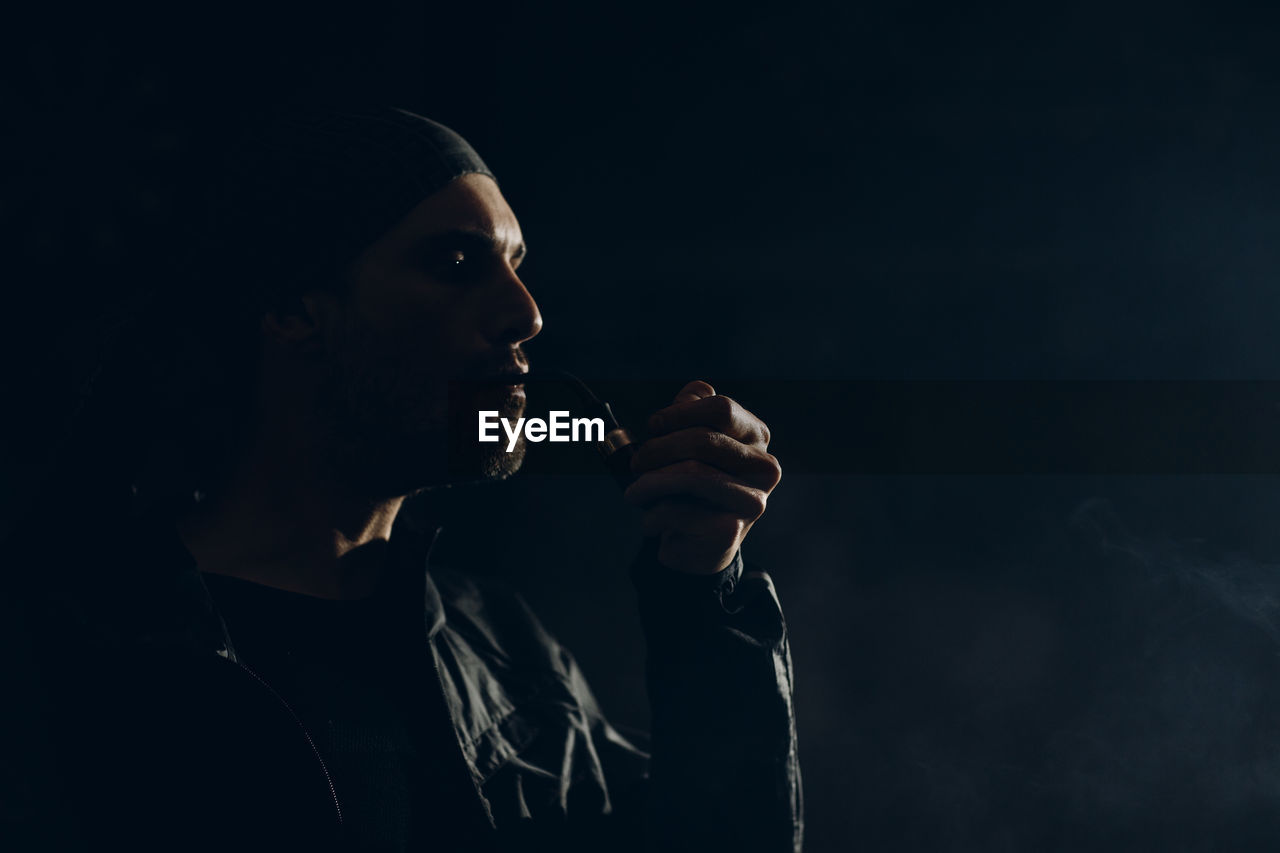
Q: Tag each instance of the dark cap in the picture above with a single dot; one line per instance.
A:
(305, 194)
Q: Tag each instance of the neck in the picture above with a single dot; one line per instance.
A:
(285, 520)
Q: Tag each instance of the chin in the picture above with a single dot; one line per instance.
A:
(470, 460)
(499, 464)
(435, 451)
(409, 472)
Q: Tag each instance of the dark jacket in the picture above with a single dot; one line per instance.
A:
(137, 726)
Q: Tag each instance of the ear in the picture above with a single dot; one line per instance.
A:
(294, 327)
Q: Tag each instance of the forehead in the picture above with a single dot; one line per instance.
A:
(470, 203)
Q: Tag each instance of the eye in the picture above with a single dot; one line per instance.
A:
(458, 258)
(453, 265)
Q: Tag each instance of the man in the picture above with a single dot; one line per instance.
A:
(266, 666)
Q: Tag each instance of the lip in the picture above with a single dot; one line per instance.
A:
(514, 377)
(505, 386)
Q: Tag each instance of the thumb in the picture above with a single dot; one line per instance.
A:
(695, 390)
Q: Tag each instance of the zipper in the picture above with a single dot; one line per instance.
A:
(333, 791)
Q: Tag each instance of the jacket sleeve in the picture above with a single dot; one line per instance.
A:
(724, 773)
(718, 771)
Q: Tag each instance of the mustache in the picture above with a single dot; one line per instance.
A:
(498, 367)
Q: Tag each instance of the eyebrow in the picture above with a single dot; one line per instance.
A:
(468, 239)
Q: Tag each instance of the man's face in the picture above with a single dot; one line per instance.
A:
(436, 304)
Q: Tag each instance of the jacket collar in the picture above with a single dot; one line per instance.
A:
(158, 597)
(409, 571)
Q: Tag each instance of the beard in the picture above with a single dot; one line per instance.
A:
(397, 421)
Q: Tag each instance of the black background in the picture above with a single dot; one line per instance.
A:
(794, 192)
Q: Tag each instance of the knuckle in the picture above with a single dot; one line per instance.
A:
(710, 439)
(728, 527)
(722, 409)
(776, 467)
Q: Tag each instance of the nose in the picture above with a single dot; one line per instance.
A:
(517, 318)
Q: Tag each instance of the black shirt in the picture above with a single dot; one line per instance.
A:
(360, 677)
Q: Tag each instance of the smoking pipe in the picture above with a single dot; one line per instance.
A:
(618, 446)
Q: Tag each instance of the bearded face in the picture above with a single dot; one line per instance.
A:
(413, 352)
(398, 423)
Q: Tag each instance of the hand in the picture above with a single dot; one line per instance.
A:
(704, 479)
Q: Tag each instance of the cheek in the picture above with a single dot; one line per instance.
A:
(429, 329)
(404, 306)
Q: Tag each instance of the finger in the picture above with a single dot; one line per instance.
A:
(686, 517)
(720, 413)
(695, 540)
(692, 479)
(695, 390)
(747, 462)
